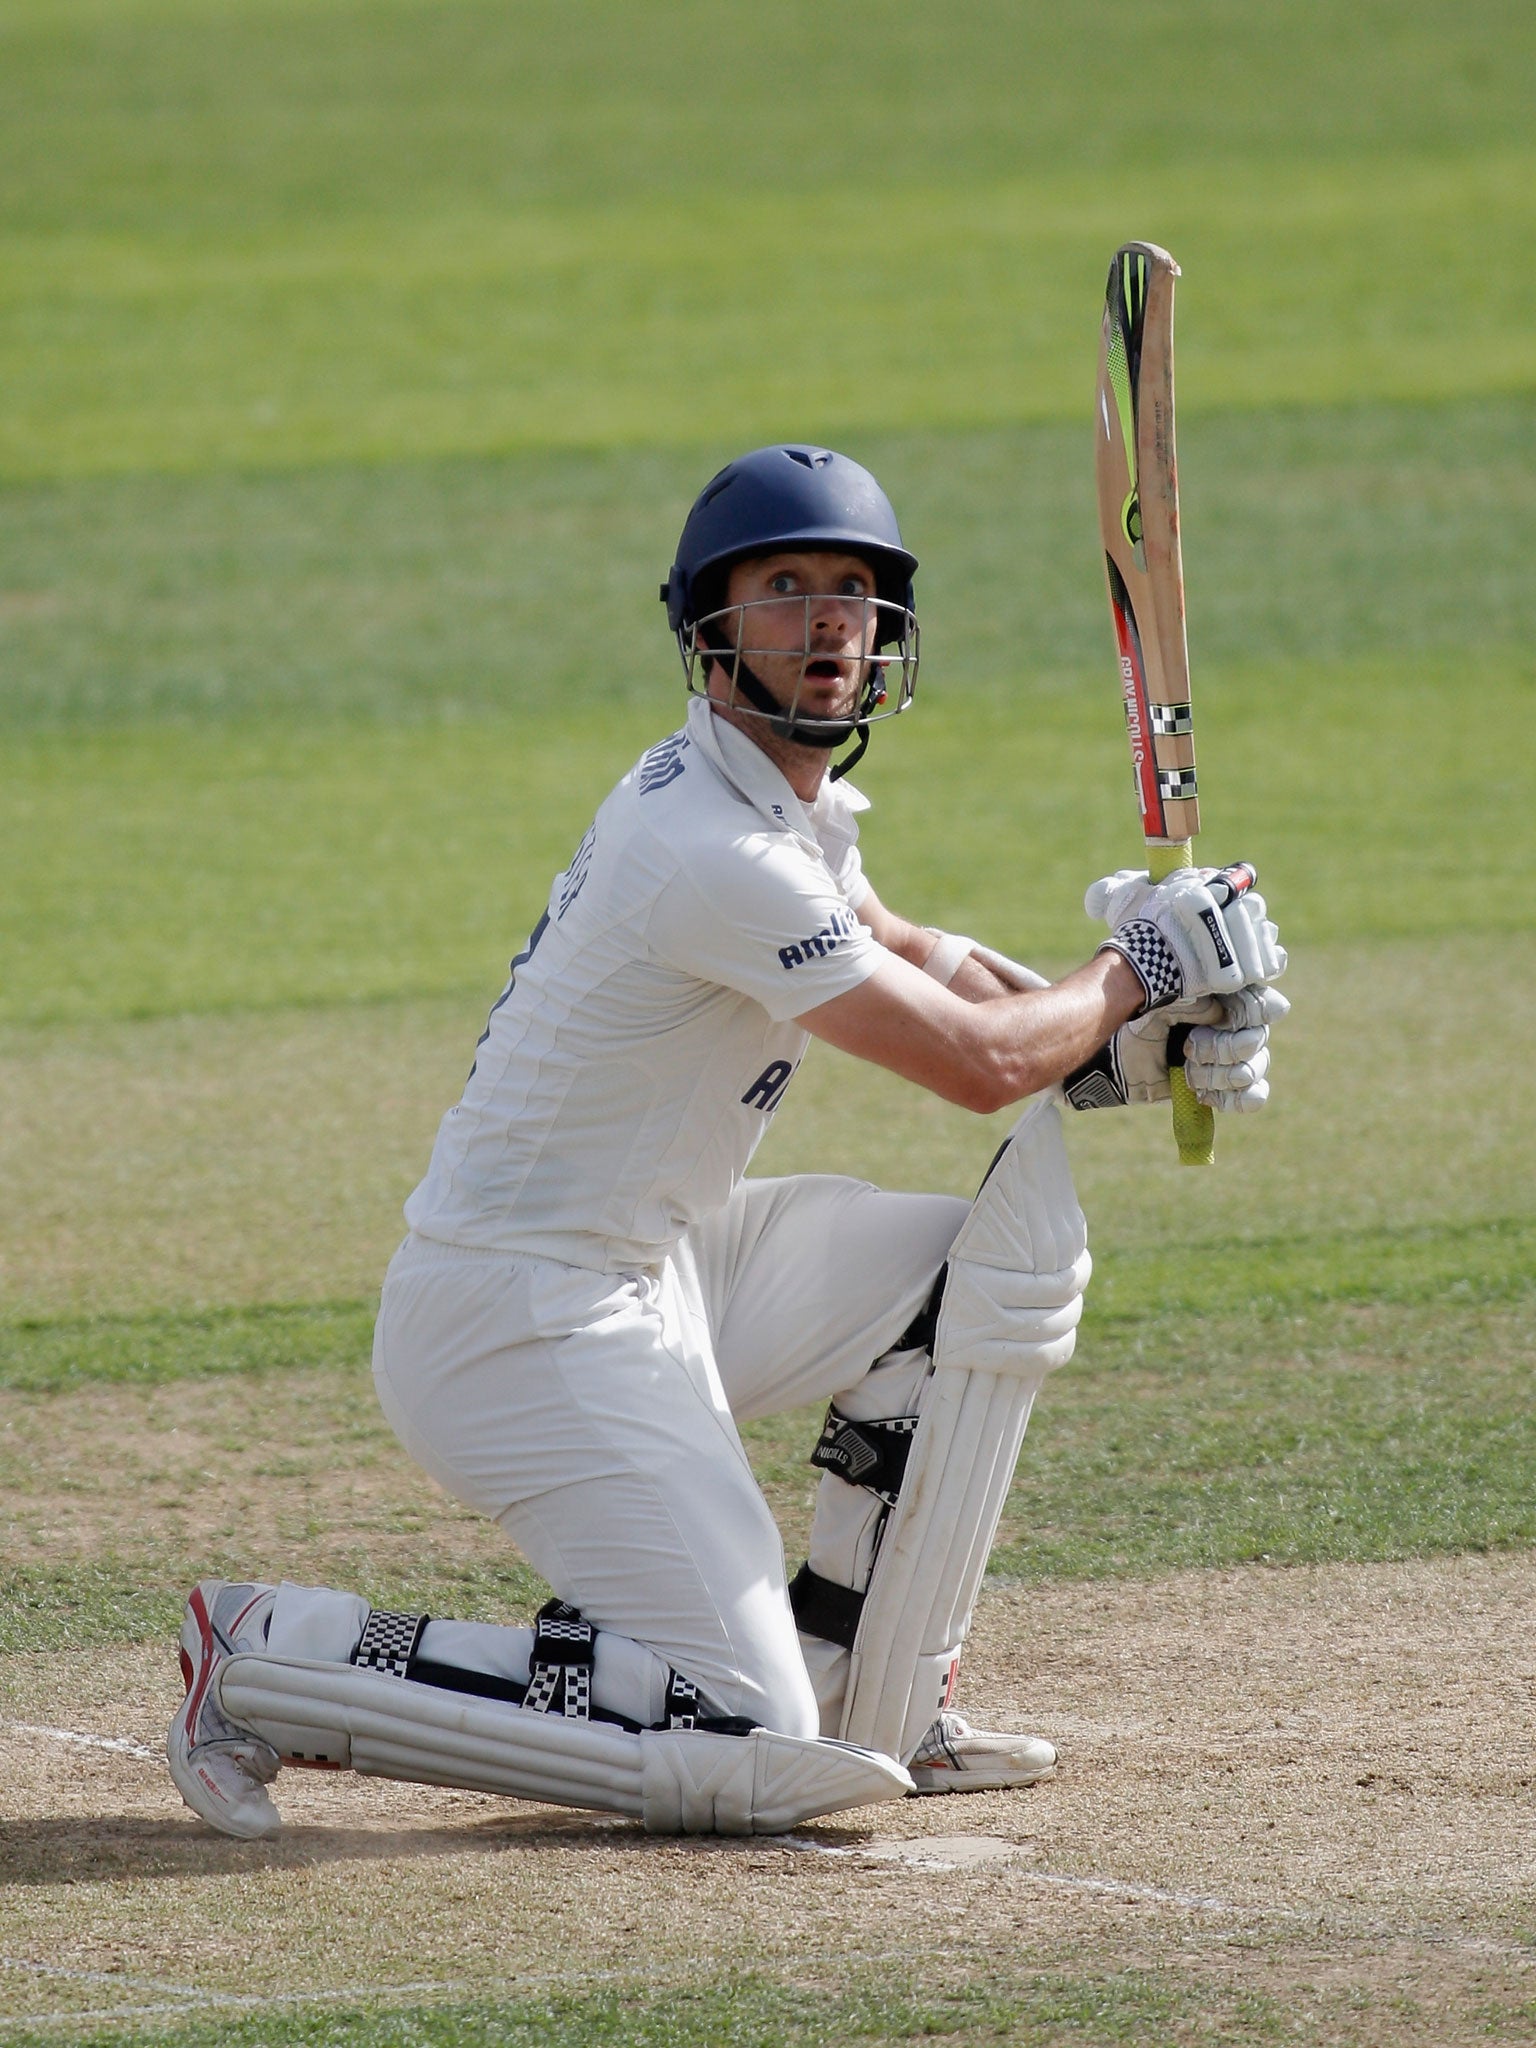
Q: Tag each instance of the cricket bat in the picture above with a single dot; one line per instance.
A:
(1138, 490)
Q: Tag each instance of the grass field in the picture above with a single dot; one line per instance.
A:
(359, 366)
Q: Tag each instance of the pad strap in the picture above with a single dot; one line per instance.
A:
(682, 1702)
(824, 1608)
(560, 1669)
(868, 1454)
(389, 1642)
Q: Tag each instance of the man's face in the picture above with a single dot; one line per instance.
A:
(807, 629)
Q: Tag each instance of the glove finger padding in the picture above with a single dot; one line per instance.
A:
(1220, 1068)
(1255, 938)
(1226, 1067)
(1118, 896)
(1248, 1007)
(1215, 1046)
(1235, 1101)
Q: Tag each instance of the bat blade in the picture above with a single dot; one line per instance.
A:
(1136, 470)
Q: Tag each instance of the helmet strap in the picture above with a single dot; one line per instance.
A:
(851, 760)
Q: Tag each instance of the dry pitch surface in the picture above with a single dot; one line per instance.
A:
(1315, 1784)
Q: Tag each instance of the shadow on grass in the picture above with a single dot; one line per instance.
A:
(57, 1849)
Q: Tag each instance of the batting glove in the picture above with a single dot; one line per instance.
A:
(1225, 1050)
(1190, 935)
(1226, 1063)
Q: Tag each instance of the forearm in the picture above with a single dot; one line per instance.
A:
(1042, 1035)
(974, 973)
(981, 1054)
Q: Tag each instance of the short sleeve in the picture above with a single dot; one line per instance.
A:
(767, 921)
(851, 878)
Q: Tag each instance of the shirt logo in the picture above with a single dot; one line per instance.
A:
(837, 931)
(767, 1091)
(576, 873)
(663, 763)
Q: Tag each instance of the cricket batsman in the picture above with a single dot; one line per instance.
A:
(592, 1296)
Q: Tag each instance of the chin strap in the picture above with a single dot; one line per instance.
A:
(851, 760)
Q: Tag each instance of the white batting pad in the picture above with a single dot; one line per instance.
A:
(678, 1781)
(1012, 1301)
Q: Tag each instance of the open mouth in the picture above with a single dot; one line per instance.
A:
(824, 671)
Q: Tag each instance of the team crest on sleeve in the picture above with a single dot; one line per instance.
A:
(663, 763)
(840, 927)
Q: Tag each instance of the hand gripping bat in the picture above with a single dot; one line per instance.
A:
(1138, 489)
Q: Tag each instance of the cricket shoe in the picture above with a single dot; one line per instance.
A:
(221, 1770)
(955, 1757)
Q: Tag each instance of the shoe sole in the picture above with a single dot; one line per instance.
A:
(929, 1779)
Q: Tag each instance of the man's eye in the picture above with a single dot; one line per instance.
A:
(855, 586)
(783, 584)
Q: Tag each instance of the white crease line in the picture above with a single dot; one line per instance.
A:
(1111, 1887)
(1116, 1889)
(188, 1998)
(117, 1978)
(93, 2013)
(118, 1744)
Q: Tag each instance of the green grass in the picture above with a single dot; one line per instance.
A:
(171, 870)
(625, 325)
(963, 2000)
(753, 2012)
(38, 1356)
(526, 586)
(256, 235)
(266, 115)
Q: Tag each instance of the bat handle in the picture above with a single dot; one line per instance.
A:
(1194, 1125)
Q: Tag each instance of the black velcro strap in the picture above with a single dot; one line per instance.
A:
(727, 1724)
(489, 1685)
(1097, 1083)
(560, 1674)
(868, 1454)
(389, 1642)
(824, 1608)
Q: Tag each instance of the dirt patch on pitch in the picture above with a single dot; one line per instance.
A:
(1317, 1782)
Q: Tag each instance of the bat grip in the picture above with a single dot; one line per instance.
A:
(1194, 1125)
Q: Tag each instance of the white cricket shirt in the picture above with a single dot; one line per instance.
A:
(644, 1038)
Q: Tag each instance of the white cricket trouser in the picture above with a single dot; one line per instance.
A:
(593, 1416)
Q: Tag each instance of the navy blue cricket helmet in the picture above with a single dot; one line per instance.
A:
(789, 496)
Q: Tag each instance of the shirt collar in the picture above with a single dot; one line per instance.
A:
(828, 823)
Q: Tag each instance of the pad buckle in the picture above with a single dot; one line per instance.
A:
(560, 1668)
(868, 1454)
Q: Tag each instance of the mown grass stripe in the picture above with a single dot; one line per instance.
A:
(1483, 1261)
(54, 1356)
(738, 2011)
(1463, 1265)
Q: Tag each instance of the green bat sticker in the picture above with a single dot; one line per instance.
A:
(1128, 303)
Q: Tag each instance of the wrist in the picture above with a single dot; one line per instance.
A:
(1124, 991)
(1150, 958)
(947, 956)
